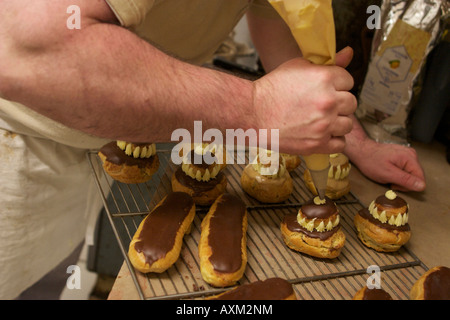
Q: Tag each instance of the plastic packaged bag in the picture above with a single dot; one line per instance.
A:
(409, 31)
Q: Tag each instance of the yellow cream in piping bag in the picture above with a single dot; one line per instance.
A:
(312, 25)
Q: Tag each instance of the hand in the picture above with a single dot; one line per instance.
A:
(391, 164)
(309, 104)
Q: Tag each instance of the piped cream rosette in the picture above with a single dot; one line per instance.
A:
(270, 164)
(137, 150)
(393, 216)
(339, 167)
(200, 171)
(319, 225)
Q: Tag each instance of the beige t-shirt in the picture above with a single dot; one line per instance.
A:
(189, 30)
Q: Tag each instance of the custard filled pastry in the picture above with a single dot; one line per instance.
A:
(315, 230)
(129, 162)
(156, 245)
(384, 225)
(200, 175)
(432, 285)
(223, 242)
(267, 180)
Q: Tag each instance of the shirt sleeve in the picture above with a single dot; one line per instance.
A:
(263, 9)
(130, 13)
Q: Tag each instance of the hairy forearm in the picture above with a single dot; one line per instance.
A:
(356, 141)
(106, 81)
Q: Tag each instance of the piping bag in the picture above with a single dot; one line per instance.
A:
(312, 24)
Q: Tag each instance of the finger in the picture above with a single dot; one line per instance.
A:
(346, 103)
(405, 181)
(336, 145)
(344, 57)
(342, 79)
(341, 127)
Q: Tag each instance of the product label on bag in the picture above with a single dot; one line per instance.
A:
(389, 80)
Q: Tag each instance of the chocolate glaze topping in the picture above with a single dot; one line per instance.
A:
(323, 211)
(160, 228)
(387, 203)
(270, 289)
(198, 187)
(366, 215)
(225, 234)
(292, 224)
(437, 285)
(376, 294)
(117, 156)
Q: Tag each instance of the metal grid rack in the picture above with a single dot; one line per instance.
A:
(126, 205)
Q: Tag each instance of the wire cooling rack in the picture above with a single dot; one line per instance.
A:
(312, 278)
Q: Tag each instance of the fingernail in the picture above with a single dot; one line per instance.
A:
(419, 185)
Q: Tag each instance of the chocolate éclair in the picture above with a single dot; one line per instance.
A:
(269, 289)
(223, 241)
(156, 245)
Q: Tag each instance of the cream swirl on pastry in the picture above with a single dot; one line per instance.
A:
(137, 150)
(387, 214)
(318, 223)
(200, 171)
(264, 166)
(338, 171)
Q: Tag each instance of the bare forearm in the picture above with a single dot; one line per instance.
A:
(356, 140)
(106, 81)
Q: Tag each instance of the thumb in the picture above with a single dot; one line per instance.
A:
(344, 57)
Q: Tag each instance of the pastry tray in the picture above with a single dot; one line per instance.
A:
(312, 278)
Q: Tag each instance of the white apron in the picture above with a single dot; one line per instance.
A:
(47, 196)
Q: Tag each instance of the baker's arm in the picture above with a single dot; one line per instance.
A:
(106, 81)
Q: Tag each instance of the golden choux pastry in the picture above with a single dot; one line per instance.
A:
(156, 245)
(315, 230)
(223, 242)
(432, 285)
(291, 161)
(129, 162)
(200, 175)
(384, 225)
(267, 181)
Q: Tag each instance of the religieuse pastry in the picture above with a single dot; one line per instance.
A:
(222, 247)
(315, 229)
(372, 294)
(156, 245)
(270, 289)
(129, 162)
(291, 161)
(384, 225)
(203, 180)
(432, 285)
(338, 183)
(265, 181)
